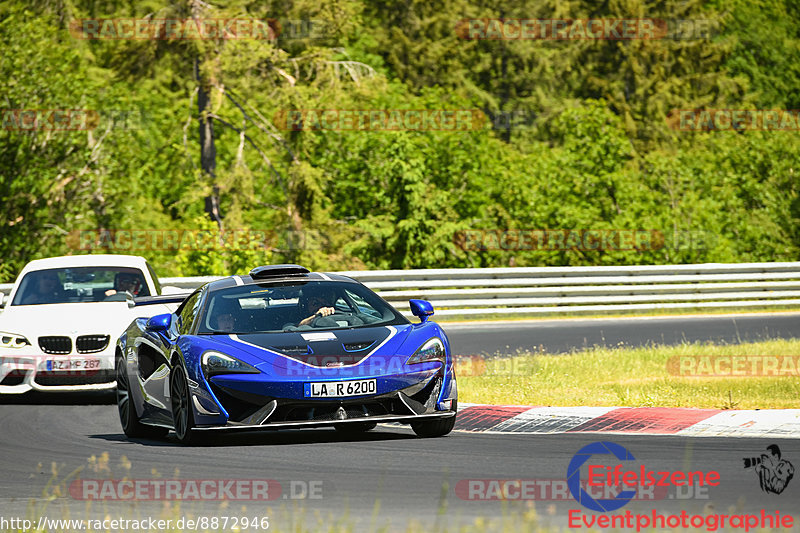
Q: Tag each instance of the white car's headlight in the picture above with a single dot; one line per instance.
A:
(218, 363)
(13, 340)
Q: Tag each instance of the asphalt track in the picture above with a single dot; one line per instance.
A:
(559, 336)
(388, 477)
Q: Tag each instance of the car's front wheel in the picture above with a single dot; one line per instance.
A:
(434, 428)
(127, 410)
(182, 414)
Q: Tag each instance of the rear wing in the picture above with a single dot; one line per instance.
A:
(162, 299)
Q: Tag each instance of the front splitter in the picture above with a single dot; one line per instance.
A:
(403, 419)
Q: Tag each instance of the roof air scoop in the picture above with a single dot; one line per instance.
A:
(278, 271)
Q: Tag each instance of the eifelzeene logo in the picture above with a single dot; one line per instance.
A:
(620, 477)
(773, 472)
(574, 477)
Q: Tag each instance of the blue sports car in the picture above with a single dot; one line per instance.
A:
(284, 348)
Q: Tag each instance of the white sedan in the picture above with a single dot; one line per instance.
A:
(61, 321)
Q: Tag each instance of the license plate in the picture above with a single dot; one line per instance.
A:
(335, 389)
(76, 364)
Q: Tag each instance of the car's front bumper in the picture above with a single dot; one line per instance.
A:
(402, 419)
(22, 373)
(226, 406)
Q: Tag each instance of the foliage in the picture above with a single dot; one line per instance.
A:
(576, 136)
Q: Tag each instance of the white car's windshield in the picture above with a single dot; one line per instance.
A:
(80, 284)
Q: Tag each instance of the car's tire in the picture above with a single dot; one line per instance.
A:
(434, 428)
(131, 425)
(182, 412)
(355, 428)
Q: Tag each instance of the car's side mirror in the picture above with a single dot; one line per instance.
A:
(2, 300)
(421, 309)
(159, 322)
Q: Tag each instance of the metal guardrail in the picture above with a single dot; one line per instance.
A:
(540, 290)
(544, 290)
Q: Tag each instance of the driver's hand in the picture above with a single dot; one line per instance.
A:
(323, 311)
(111, 292)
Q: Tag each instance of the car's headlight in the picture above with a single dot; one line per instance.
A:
(13, 340)
(218, 363)
(431, 351)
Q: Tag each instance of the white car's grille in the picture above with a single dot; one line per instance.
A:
(91, 343)
(55, 345)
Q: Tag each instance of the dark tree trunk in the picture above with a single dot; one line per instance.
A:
(208, 152)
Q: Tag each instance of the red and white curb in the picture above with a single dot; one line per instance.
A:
(772, 423)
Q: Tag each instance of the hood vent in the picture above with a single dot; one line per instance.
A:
(357, 346)
(302, 349)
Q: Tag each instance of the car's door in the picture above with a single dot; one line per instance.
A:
(155, 356)
(152, 353)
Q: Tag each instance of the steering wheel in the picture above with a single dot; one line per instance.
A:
(119, 296)
(348, 317)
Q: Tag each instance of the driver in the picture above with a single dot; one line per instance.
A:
(226, 322)
(46, 289)
(320, 303)
(125, 283)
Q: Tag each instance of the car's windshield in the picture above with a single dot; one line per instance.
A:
(295, 306)
(80, 284)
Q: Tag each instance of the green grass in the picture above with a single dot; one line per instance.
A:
(627, 377)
